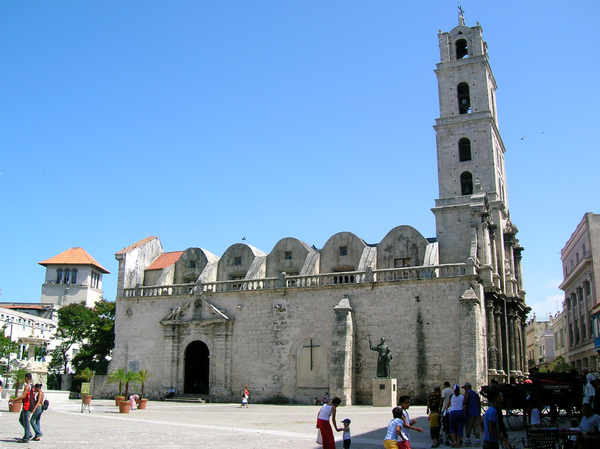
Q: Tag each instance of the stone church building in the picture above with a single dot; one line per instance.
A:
(296, 322)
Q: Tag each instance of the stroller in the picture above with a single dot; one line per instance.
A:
(445, 431)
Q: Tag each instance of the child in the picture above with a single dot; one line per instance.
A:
(346, 433)
(536, 420)
(434, 425)
(407, 424)
(571, 439)
(394, 429)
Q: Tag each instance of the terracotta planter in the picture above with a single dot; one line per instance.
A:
(119, 399)
(87, 399)
(15, 408)
(124, 406)
(141, 404)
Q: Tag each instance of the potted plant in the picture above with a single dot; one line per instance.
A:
(143, 376)
(86, 375)
(128, 377)
(117, 376)
(17, 377)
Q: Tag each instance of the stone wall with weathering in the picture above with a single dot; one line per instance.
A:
(266, 332)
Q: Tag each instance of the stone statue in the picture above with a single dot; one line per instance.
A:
(384, 358)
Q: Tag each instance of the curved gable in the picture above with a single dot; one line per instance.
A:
(403, 246)
(342, 252)
(237, 261)
(288, 255)
(191, 264)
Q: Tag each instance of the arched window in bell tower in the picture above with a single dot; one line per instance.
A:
(466, 183)
(462, 49)
(59, 274)
(464, 98)
(464, 149)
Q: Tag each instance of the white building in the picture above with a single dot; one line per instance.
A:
(29, 330)
(72, 276)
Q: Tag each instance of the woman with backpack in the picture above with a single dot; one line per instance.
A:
(36, 411)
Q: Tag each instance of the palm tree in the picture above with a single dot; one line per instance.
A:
(18, 377)
(117, 375)
(143, 376)
(130, 377)
(86, 374)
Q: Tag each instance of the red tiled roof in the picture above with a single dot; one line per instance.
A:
(135, 245)
(74, 256)
(17, 305)
(165, 260)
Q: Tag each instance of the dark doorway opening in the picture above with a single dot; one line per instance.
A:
(197, 365)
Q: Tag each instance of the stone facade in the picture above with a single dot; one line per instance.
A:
(296, 322)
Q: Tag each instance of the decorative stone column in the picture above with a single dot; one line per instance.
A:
(518, 265)
(491, 337)
(472, 344)
(524, 345)
(342, 353)
(511, 343)
(499, 346)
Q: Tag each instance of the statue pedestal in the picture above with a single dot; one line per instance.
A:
(385, 392)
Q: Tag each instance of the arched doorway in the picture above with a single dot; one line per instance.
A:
(197, 365)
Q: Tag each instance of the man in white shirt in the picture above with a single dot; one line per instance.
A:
(447, 393)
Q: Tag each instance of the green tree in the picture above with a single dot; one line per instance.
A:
(561, 365)
(95, 352)
(7, 347)
(93, 329)
(57, 367)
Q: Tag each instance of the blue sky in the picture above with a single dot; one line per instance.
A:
(202, 122)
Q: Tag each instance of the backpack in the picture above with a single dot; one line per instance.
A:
(45, 404)
(31, 395)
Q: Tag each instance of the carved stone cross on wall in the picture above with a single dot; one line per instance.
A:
(311, 346)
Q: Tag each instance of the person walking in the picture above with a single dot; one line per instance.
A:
(245, 396)
(328, 411)
(36, 411)
(347, 437)
(457, 416)
(489, 423)
(434, 426)
(473, 409)
(394, 429)
(435, 399)
(26, 398)
(408, 424)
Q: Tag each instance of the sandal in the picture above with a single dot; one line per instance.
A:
(37, 438)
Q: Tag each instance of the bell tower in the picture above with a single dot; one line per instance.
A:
(472, 218)
(470, 151)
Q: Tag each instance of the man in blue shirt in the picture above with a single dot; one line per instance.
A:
(473, 409)
(489, 423)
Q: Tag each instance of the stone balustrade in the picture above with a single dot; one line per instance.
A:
(314, 280)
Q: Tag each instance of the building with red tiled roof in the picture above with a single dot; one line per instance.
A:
(72, 276)
(162, 266)
(74, 256)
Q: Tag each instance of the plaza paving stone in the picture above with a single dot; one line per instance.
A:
(182, 425)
